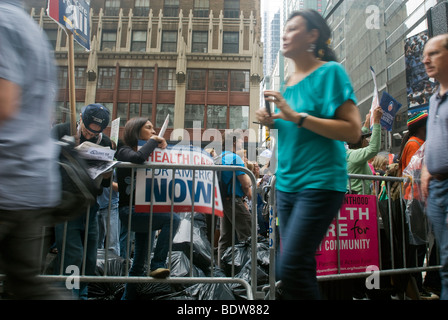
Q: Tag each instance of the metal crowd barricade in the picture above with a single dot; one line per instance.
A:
(249, 286)
(397, 267)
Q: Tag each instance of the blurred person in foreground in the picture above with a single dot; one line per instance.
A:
(29, 173)
(316, 112)
(434, 176)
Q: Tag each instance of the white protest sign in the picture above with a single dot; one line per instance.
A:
(160, 191)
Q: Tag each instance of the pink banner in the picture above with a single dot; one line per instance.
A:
(354, 234)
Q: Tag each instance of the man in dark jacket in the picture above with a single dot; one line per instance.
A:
(94, 119)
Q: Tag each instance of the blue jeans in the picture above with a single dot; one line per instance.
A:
(437, 211)
(75, 246)
(114, 230)
(140, 225)
(304, 218)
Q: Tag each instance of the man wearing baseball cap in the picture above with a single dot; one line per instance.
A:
(94, 118)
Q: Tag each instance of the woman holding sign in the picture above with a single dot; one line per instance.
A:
(315, 113)
(142, 129)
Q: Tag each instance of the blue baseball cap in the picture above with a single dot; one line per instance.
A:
(97, 114)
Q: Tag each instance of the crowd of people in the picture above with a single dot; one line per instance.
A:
(320, 141)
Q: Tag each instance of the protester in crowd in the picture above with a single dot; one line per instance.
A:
(108, 220)
(231, 143)
(434, 175)
(29, 174)
(359, 154)
(380, 163)
(136, 129)
(316, 112)
(263, 225)
(94, 118)
(413, 139)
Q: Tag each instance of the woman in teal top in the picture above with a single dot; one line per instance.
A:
(316, 112)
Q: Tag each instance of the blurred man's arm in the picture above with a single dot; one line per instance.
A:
(246, 185)
(9, 99)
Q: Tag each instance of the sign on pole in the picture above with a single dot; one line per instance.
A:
(74, 17)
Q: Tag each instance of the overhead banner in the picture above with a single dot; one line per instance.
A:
(419, 86)
(354, 234)
(156, 186)
(74, 16)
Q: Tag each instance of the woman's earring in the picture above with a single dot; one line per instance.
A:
(312, 48)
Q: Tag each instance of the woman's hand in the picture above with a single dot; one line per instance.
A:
(286, 113)
(161, 141)
(377, 114)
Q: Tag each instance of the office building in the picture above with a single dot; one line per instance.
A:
(200, 61)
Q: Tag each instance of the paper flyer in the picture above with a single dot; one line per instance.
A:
(114, 130)
(165, 125)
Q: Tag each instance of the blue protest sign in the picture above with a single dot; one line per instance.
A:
(74, 16)
(390, 107)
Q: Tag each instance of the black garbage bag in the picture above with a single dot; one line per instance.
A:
(202, 291)
(263, 254)
(243, 265)
(201, 244)
(180, 266)
(107, 290)
(238, 256)
(240, 291)
(241, 255)
(153, 290)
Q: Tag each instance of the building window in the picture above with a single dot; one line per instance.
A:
(230, 42)
(131, 78)
(148, 79)
(146, 110)
(239, 81)
(136, 79)
(122, 113)
(112, 7)
(194, 112)
(141, 8)
(231, 8)
(62, 77)
(169, 41)
(239, 117)
(201, 8)
(138, 41)
(167, 79)
(60, 112)
(217, 80)
(106, 78)
(164, 109)
(133, 110)
(80, 77)
(109, 40)
(196, 79)
(52, 36)
(171, 8)
(216, 117)
(200, 42)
